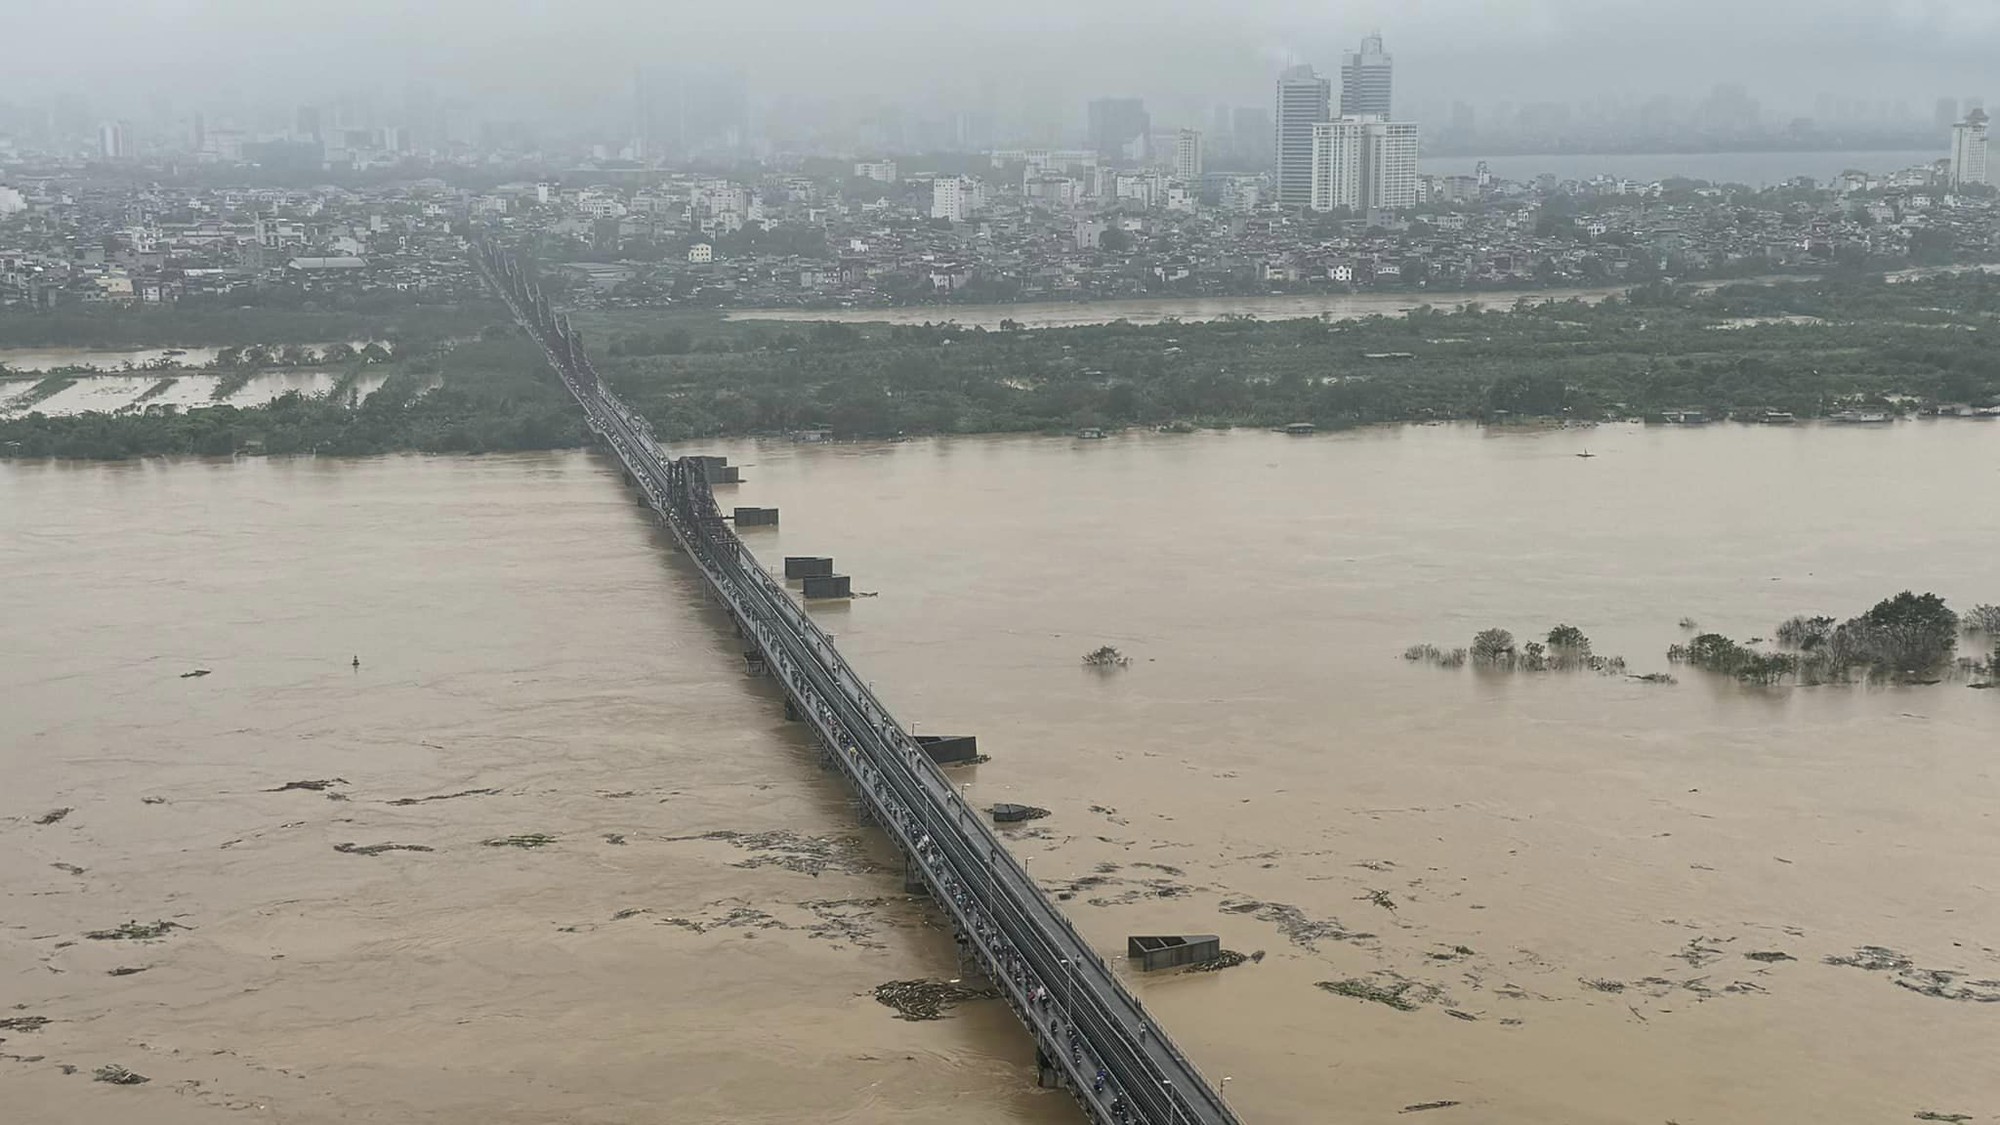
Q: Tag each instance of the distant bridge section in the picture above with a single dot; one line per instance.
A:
(1091, 1034)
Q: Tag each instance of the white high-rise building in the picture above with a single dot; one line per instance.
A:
(1390, 164)
(112, 141)
(1304, 100)
(956, 198)
(1336, 165)
(1968, 150)
(1187, 154)
(1360, 162)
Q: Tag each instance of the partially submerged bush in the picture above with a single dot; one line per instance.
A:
(1106, 657)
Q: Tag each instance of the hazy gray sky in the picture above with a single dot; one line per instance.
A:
(515, 55)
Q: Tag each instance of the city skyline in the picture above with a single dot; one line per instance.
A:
(1035, 61)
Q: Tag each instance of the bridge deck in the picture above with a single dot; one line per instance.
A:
(1116, 1061)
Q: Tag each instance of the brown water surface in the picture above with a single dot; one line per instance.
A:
(1577, 863)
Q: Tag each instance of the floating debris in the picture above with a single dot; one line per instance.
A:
(1227, 959)
(1422, 1106)
(197, 674)
(378, 849)
(136, 931)
(1933, 1115)
(614, 837)
(1397, 992)
(525, 840)
(127, 970)
(740, 917)
(118, 1075)
(927, 999)
(444, 796)
(1602, 985)
(24, 1023)
(53, 815)
(1943, 984)
(310, 786)
(807, 855)
(1293, 922)
(71, 868)
(1873, 958)
(1700, 952)
(1456, 1014)
(1770, 956)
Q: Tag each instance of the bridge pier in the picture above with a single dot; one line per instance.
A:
(1048, 1075)
(913, 877)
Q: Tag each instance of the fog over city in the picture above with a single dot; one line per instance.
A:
(1032, 58)
(1052, 562)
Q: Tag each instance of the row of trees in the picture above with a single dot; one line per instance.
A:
(1565, 648)
(251, 318)
(1906, 637)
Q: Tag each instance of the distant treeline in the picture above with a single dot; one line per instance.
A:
(276, 316)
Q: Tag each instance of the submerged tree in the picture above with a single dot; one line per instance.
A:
(1983, 619)
(1805, 633)
(1106, 657)
(1493, 646)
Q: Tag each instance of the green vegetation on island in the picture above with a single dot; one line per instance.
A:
(1806, 349)
(463, 381)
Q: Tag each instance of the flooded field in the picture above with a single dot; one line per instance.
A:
(111, 394)
(36, 360)
(1543, 897)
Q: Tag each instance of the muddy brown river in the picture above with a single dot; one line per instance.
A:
(620, 889)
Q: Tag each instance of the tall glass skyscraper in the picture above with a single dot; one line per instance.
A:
(1365, 80)
(1304, 100)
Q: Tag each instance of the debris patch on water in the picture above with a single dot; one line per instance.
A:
(807, 855)
(136, 930)
(314, 786)
(524, 840)
(378, 849)
(928, 999)
(444, 796)
(1294, 923)
(1384, 987)
(1227, 959)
